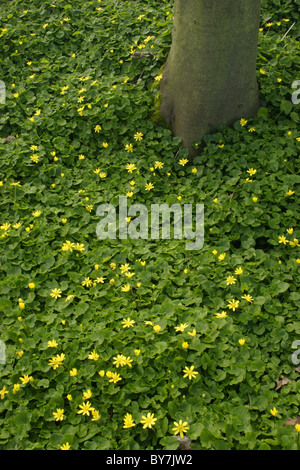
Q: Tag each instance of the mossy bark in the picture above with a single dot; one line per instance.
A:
(210, 74)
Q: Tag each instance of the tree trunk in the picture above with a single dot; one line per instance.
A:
(210, 74)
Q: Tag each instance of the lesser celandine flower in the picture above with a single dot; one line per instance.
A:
(238, 271)
(248, 298)
(115, 377)
(58, 414)
(128, 421)
(55, 293)
(125, 288)
(65, 446)
(130, 167)
(85, 408)
(242, 341)
(189, 372)
(221, 315)
(181, 327)
(230, 280)
(148, 421)
(93, 356)
(3, 392)
(180, 427)
(233, 304)
(127, 323)
(274, 411)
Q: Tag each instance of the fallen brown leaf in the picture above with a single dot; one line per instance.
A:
(292, 422)
(283, 381)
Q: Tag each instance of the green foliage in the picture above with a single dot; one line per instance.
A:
(72, 86)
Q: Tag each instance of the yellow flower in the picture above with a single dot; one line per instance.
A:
(3, 392)
(87, 394)
(289, 192)
(156, 328)
(58, 414)
(158, 164)
(194, 170)
(297, 427)
(128, 421)
(73, 372)
(233, 304)
(96, 415)
(119, 360)
(25, 379)
(93, 356)
(180, 428)
(290, 230)
(192, 333)
(181, 327)
(128, 323)
(190, 372)
(242, 341)
(149, 186)
(221, 315)
(238, 271)
(148, 421)
(55, 293)
(115, 377)
(52, 344)
(129, 148)
(130, 167)
(65, 446)
(183, 161)
(248, 298)
(158, 78)
(185, 345)
(254, 199)
(85, 408)
(97, 128)
(282, 239)
(138, 136)
(125, 288)
(34, 158)
(243, 122)
(222, 256)
(87, 282)
(16, 388)
(21, 304)
(274, 411)
(105, 144)
(137, 352)
(230, 280)
(251, 171)
(36, 213)
(57, 361)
